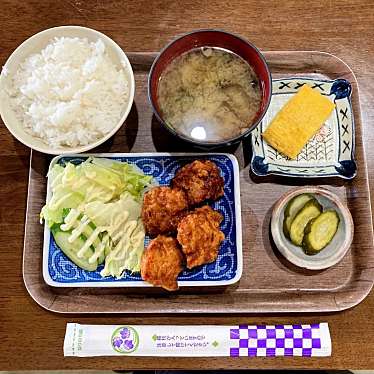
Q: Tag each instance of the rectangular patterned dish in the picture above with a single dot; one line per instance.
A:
(60, 271)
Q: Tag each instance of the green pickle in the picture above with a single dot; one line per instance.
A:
(293, 207)
(320, 231)
(311, 209)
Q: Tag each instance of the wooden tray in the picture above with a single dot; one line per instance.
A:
(268, 283)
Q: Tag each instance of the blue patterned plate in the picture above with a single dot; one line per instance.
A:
(59, 271)
(330, 153)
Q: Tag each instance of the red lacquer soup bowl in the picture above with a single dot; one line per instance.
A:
(218, 39)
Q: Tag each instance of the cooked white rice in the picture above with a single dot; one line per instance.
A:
(69, 94)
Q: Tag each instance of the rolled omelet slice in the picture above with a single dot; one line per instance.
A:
(298, 121)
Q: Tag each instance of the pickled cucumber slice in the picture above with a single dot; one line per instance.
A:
(312, 209)
(320, 231)
(293, 207)
(71, 250)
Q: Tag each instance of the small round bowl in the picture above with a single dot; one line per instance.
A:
(35, 44)
(334, 251)
(211, 38)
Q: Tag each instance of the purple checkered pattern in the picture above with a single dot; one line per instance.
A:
(277, 340)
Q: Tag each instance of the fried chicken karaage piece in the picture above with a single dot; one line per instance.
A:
(200, 236)
(200, 180)
(162, 210)
(162, 262)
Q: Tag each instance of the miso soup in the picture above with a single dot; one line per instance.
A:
(209, 94)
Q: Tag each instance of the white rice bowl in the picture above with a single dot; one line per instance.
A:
(69, 97)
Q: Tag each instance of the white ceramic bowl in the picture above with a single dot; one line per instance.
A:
(334, 251)
(35, 44)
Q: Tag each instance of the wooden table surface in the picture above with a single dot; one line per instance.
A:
(32, 338)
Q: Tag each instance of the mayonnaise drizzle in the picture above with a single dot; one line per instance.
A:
(79, 229)
(87, 244)
(118, 226)
(82, 227)
(104, 218)
(126, 250)
(70, 220)
(120, 230)
(100, 250)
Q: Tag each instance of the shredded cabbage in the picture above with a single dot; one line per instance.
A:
(109, 194)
